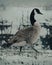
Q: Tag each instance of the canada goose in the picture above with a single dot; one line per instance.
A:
(29, 35)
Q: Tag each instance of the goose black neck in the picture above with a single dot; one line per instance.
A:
(32, 19)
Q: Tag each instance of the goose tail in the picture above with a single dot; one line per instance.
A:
(6, 45)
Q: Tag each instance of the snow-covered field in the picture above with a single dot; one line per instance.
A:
(26, 57)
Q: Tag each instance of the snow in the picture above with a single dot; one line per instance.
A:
(27, 57)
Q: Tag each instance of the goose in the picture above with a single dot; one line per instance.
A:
(29, 35)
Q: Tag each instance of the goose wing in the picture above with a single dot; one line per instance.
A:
(22, 35)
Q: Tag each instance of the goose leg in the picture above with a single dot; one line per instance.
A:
(37, 52)
(34, 49)
(20, 48)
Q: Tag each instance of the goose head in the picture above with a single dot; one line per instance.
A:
(32, 19)
(38, 11)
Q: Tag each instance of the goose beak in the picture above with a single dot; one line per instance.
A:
(41, 13)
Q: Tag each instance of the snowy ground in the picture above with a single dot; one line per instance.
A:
(27, 57)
